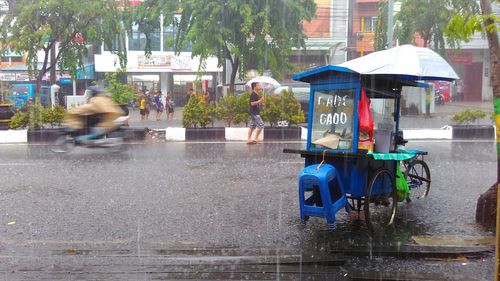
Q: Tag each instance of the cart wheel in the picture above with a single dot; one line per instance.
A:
(380, 201)
(62, 144)
(418, 177)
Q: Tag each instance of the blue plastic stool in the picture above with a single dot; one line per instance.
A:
(328, 193)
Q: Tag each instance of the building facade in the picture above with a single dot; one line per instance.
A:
(471, 62)
(162, 70)
(363, 23)
(342, 30)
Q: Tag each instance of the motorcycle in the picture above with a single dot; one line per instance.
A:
(112, 141)
(438, 98)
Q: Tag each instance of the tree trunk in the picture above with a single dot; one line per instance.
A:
(42, 71)
(53, 62)
(494, 49)
(38, 87)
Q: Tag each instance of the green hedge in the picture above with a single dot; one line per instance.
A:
(36, 117)
(468, 116)
(234, 109)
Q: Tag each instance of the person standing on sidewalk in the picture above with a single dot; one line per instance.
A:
(142, 107)
(255, 119)
(169, 107)
(158, 105)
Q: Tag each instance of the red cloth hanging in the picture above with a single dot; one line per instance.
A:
(365, 114)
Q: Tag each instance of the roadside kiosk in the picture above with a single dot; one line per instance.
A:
(348, 168)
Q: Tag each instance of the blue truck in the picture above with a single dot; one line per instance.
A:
(24, 93)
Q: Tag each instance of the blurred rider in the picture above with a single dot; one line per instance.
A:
(95, 118)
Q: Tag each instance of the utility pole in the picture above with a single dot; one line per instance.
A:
(362, 47)
(390, 24)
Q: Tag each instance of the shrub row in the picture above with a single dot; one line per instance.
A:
(234, 109)
(35, 117)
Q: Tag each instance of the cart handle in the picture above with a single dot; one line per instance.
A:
(322, 160)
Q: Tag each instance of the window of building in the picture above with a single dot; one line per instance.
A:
(114, 44)
(169, 33)
(370, 24)
(137, 40)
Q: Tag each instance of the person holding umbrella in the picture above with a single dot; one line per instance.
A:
(255, 119)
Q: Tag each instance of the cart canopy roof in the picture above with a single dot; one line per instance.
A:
(404, 63)
(377, 86)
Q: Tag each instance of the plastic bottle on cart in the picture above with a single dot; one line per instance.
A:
(383, 141)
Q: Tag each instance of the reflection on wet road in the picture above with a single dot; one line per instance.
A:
(204, 208)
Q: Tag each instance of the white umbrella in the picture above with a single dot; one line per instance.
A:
(263, 80)
(407, 62)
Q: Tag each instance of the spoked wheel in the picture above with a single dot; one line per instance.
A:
(380, 201)
(62, 144)
(418, 177)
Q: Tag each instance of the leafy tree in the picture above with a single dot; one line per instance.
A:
(243, 30)
(463, 26)
(428, 19)
(120, 93)
(69, 25)
(381, 28)
(146, 18)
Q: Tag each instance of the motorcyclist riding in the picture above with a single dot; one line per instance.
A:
(95, 118)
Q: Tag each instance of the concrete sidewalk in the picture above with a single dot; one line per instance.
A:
(440, 118)
(443, 114)
(414, 127)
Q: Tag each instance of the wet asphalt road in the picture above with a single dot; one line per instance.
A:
(102, 216)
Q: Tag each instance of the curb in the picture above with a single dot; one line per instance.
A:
(232, 134)
(14, 136)
(445, 133)
(453, 132)
(475, 132)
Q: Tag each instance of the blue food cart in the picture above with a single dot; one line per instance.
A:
(342, 169)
